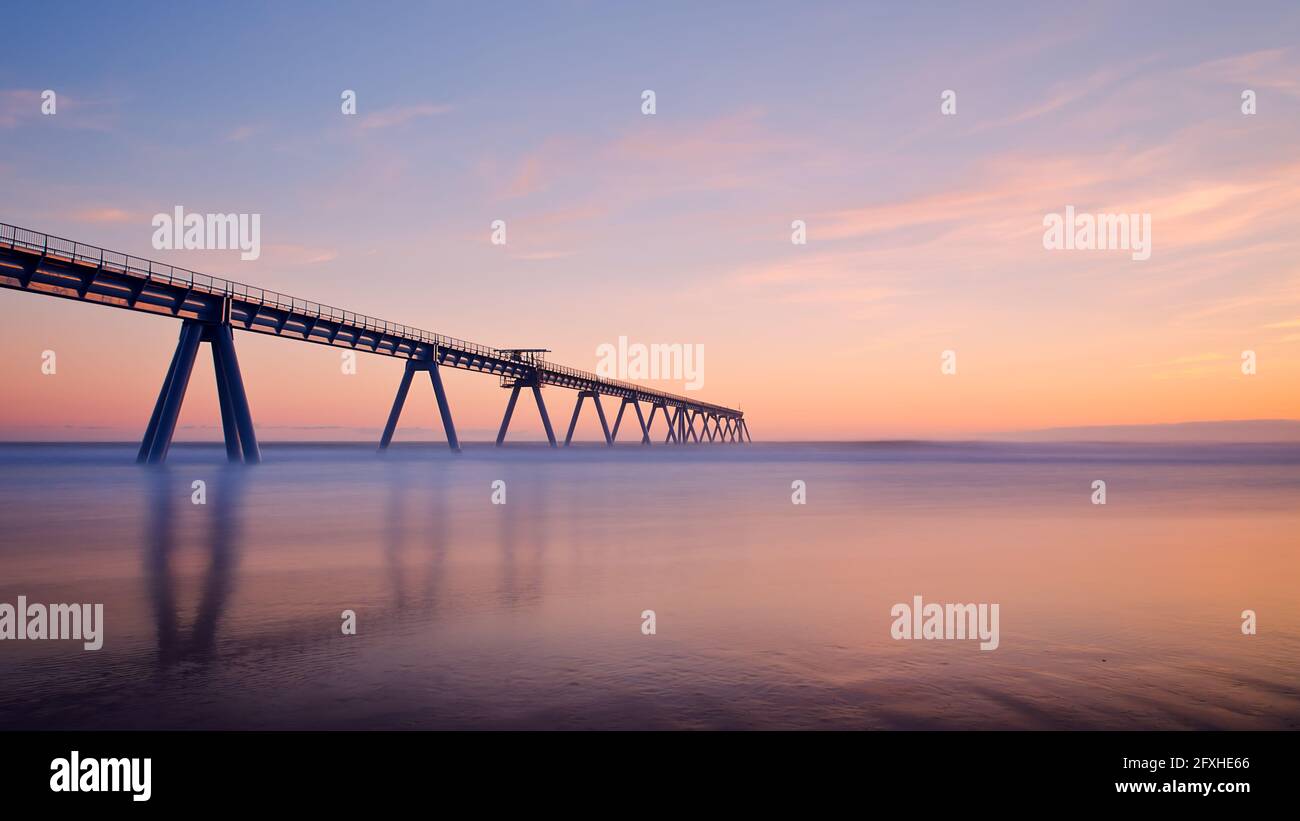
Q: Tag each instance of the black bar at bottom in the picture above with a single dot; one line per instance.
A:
(220, 770)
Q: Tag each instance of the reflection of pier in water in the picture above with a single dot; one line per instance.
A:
(520, 534)
(395, 529)
(518, 526)
(222, 542)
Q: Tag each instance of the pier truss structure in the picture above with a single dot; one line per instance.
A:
(211, 309)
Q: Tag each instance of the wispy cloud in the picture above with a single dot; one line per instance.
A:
(1268, 68)
(241, 133)
(543, 255)
(399, 115)
(725, 153)
(290, 254)
(22, 106)
(1065, 94)
(105, 215)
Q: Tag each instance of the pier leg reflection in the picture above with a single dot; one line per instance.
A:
(214, 527)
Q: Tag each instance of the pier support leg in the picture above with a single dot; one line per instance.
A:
(646, 424)
(158, 438)
(645, 428)
(236, 421)
(223, 348)
(573, 423)
(744, 430)
(151, 431)
(618, 420)
(546, 419)
(671, 418)
(541, 409)
(604, 426)
(510, 411)
(398, 401)
(229, 427)
(444, 409)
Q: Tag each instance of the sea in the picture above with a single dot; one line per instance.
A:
(704, 586)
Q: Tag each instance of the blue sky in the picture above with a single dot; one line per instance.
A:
(674, 228)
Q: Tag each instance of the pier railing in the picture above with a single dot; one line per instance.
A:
(55, 247)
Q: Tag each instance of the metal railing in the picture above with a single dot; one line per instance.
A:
(630, 386)
(60, 248)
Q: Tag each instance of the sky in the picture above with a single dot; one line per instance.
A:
(925, 230)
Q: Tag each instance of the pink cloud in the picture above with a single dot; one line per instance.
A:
(398, 115)
(724, 153)
(241, 133)
(543, 255)
(105, 215)
(18, 105)
(1269, 68)
(290, 254)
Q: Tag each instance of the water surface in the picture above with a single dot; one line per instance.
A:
(768, 614)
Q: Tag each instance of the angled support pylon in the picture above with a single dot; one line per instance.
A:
(546, 419)
(510, 410)
(600, 411)
(231, 380)
(618, 417)
(229, 427)
(236, 419)
(162, 424)
(440, 393)
(403, 388)
(654, 408)
(670, 415)
(618, 420)
(744, 428)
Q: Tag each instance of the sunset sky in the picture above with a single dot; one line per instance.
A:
(925, 231)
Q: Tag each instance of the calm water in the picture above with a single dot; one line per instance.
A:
(769, 614)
